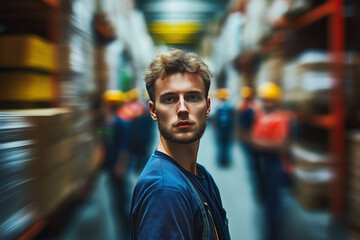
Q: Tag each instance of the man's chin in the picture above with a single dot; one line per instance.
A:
(184, 137)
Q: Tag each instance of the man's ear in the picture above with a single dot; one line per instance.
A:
(152, 110)
(208, 107)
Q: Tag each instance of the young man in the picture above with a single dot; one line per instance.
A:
(176, 198)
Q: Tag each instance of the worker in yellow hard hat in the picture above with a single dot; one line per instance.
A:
(223, 94)
(246, 92)
(114, 97)
(116, 134)
(269, 137)
(245, 120)
(245, 111)
(270, 95)
(224, 124)
(133, 94)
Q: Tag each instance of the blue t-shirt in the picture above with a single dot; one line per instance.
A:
(164, 205)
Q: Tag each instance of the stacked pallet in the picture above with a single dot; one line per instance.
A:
(354, 182)
(78, 84)
(17, 175)
(313, 174)
(54, 156)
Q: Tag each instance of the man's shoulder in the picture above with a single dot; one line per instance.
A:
(161, 173)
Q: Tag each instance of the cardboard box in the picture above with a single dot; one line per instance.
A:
(54, 141)
(14, 128)
(26, 86)
(312, 188)
(312, 196)
(309, 160)
(56, 187)
(354, 234)
(51, 124)
(27, 51)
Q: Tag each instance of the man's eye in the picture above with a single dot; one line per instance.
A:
(168, 99)
(193, 98)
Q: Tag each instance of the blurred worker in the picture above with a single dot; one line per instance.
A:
(141, 127)
(116, 138)
(269, 137)
(176, 198)
(246, 112)
(224, 124)
(245, 120)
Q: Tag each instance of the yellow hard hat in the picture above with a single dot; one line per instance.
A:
(132, 94)
(114, 96)
(269, 90)
(223, 93)
(246, 92)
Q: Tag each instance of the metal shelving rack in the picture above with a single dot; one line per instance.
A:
(335, 120)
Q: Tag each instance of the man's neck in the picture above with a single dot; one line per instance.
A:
(184, 154)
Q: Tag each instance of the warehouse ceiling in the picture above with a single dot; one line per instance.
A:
(180, 22)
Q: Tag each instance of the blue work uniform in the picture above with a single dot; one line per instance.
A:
(224, 131)
(170, 202)
(116, 135)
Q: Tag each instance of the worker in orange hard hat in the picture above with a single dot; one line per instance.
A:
(115, 133)
(224, 124)
(269, 137)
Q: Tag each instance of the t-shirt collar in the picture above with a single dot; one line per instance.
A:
(198, 175)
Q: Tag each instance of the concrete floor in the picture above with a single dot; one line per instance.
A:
(94, 219)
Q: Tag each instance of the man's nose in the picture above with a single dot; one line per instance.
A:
(182, 108)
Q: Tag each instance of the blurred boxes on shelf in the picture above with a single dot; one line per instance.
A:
(312, 188)
(354, 234)
(14, 128)
(26, 86)
(313, 173)
(17, 175)
(308, 82)
(27, 52)
(52, 124)
(271, 70)
(354, 178)
(56, 187)
(55, 150)
(65, 154)
(86, 158)
(310, 160)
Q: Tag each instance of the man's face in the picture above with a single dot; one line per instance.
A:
(181, 108)
(268, 105)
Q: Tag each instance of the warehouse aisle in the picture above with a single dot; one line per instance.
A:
(235, 189)
(94, 219)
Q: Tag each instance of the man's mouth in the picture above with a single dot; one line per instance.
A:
(183, 124)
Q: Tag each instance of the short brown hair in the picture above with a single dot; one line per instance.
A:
(176, 61)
